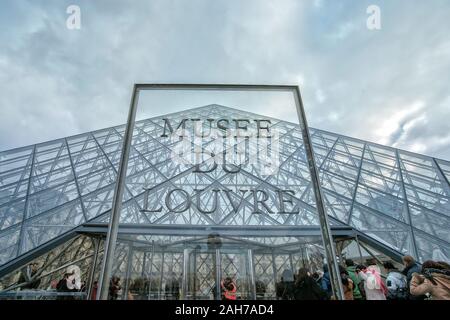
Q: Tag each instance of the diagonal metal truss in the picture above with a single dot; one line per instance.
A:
(397, 198)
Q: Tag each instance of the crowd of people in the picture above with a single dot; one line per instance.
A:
(431, 280)
(365, 282)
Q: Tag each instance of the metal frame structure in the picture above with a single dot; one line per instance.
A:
(113, 228)
(395, 201)
(145, 257)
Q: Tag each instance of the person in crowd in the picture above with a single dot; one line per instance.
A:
(62, 286)
(317, 276)
(285, 288)
(173, 288)
(306, 288)
(395, 282)
(374, 286)
(260, 288)
(411, 267)
(94, 291)
(347, 283)
(326, 282)
(83, 286)
(26, 275)
(52, 285)
(351, 270)
(358, 269)
(434, 281)
(228, 288)
(114, 288)
(140, 288)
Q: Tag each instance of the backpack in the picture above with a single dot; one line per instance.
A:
(401, 292)
(371, 282)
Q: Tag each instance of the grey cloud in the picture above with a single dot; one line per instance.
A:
(75, 81)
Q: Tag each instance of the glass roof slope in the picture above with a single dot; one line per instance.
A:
(397, 197)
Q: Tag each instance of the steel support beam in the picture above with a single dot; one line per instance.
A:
(128, 272)
(408, 213)
(218, 269)
(90, 282)
(251, 274)
(184, 280)
(150, 276)
(113, 227)
(327, 238)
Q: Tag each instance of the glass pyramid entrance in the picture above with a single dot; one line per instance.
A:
(57, 194)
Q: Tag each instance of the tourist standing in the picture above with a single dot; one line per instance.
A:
(395, 282)
(351, 270)
(411, 267)
(26, 276)
(434, 281)
(306, 288)
(373, 284)
(285, 288)
(326, 282)
(114, 288)
(347, 283)
(229, 289)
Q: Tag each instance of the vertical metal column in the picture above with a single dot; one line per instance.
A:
(96, 243)
(151, 270)
(27, 205)
(339, 252)
(128, 272)
(218, 274)
(185, 274)
(113, 226)
(408, 213)
(274, 267)
(144, 262)
(194, 268)
(161, 275)
(308, 260)
(291, 263)
(327, 238)
(251, 274)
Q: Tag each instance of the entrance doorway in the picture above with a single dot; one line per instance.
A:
(193, 268)
(207, 268)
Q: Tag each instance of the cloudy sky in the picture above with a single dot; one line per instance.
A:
(389, 86)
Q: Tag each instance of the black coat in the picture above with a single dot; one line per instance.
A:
(285, 290)
(308, 289)
(62, 287)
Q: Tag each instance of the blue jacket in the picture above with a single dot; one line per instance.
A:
(326, 284)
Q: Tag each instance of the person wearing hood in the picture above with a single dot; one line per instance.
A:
(395, 282)
(434, 280)
(410, 267)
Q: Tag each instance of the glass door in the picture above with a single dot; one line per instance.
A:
(236, 266)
